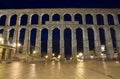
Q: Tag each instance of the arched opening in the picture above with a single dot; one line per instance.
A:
(45, 18)
(67, 17)
(67, 43)
(1, 31)
(34, 19)
(3, 20)
(89, 19)
(78, 17)
(56, 17)
(102, 36)
(24, 19)
(56, 42)
(113, 37)
(11, 36)
(79, 38)
(102, 40)
(13, 20)
(110, 19)
(22, 36)
(100, 20)
(44, 39)
(21, 39)
(119, 18)
(91, 40)
(32, 40)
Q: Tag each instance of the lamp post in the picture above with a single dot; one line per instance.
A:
(102, 48)
(103, 55)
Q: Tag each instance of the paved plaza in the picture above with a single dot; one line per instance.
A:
(60, 70)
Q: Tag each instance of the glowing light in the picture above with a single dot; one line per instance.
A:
(91, 56)
(80, 57)
(59, 56)
(14, 44)
(117, 62)
(77, 56)
(70, 58)
(102, 54)
(46, 56)
(34, 52)
(102, 47)
(1, 40)
(80, 54)
(53, 54)
(18, 44)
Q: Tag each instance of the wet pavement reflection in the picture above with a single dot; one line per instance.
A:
(60, 70)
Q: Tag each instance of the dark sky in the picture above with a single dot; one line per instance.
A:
(5, 4)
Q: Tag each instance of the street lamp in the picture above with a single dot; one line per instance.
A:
(59, 56)
(14, 45)
(53, 54)
(102, 48)
(18, 44)
(34, 52)
(80, 56)
(46, 56)
(103, 55)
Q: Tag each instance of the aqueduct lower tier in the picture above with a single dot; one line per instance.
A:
(91, 28)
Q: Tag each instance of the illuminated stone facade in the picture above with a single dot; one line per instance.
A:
(72, 19)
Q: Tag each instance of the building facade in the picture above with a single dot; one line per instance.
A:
(76, 29)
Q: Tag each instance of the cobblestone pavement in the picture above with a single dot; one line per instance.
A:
(60, 70)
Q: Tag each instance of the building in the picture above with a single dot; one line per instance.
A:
(6, 50)
(77, 29)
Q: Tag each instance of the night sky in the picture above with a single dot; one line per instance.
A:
(8, 4)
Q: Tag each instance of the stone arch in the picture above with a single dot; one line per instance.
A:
(45, 18)
(56, 41)
(13, 20)
(100, 20)
(118, 18)
(102, 39)
(24, 19)
(11, 35)
(91, 38)
(67, 17)
(44, 41)
(79, 38)
(78, 17)
(67, 43)
(32, 40)
(113, 38)
(22, 35)
(89, 19)
(110, 19)
(56, 17)
(34, 19)
(3, 20)
(102, 36)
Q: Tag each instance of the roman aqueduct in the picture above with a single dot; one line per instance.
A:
(65, 31)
